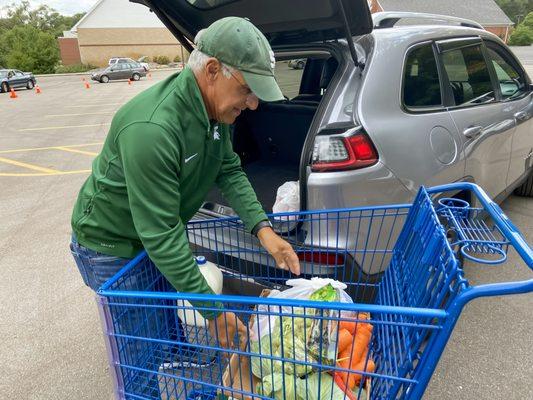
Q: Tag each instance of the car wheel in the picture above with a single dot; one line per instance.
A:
(104, 79)
(5, 87)
(30, 85)
(526, 189)
(136, 77)
(301, 65)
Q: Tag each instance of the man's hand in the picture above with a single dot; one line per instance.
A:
(278, 248)
(224, 327)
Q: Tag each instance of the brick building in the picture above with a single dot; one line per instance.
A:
(485, 12)
(117, 28)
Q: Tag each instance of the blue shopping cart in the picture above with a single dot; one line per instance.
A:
(401, 264)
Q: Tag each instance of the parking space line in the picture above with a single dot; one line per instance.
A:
(51, 128)
(81, 171)
(78, 115)
(50, 148)
(30, 166)
(89, 153)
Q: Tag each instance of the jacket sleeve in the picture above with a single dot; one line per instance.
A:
(236, 187)
(151, 165)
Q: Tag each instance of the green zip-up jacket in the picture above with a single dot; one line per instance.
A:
(161, 157)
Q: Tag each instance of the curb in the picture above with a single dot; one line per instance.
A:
(90, 72)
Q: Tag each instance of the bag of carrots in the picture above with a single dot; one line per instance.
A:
(354, 336)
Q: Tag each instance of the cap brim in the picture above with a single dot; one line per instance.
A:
(265, 87)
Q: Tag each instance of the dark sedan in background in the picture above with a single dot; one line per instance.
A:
(133, 71)
(13, 78)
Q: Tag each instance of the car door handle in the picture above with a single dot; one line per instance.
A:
(472, 131)
(521, 115)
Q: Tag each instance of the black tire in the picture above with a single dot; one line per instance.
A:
(104, 79)
(30, 85)
(300, 65)
(526, 189)
(136, 76)
(5, 87)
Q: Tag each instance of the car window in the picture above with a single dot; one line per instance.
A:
(512, 84)
(207, 4)
(421, 78)
(288, 77)
(122, 61)
(468, 76)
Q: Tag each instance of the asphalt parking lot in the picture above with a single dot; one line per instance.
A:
(52, 341)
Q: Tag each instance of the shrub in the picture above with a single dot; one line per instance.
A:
(177, 59)
(528, 20)
(68, 69)
(163, 60)
(521, 36)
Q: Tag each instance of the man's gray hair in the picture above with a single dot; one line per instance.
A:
(197, 59)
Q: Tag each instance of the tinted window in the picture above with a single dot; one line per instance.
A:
(468, 75)
(122, 61)
(288, 78)
(512, 84)
(421, 79)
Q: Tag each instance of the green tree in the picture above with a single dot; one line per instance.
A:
(516, 10)
(29, 49)
(521, 36)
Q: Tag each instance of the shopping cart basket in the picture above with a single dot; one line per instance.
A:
(414, 301)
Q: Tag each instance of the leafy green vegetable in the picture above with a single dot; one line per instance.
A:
(326, 293)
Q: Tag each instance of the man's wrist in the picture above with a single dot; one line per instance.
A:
(260, 225)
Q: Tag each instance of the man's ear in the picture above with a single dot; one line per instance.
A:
(212, 70)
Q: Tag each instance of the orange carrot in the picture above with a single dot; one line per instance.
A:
(348, 325)
(361, 342)
(344, 341)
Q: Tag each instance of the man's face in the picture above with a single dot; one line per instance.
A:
(228, 97)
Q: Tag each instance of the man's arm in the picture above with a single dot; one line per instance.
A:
(238, 191)
(151, 170)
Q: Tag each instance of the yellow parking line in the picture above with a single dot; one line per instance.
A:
(89, 153)
(81, 171)
(78, 115)
(51, 128)
(30, 166)
(49, 148)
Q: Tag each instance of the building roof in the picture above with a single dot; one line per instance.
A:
(486, 12)
(118, 14)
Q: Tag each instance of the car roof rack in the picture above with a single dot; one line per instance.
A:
(388, 19)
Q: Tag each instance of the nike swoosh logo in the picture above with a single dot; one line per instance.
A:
(190, 158)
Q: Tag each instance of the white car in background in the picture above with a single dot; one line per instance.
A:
(121, 60)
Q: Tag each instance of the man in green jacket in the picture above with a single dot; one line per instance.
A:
(165, 149)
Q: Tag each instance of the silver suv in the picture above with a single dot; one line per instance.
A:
(380, 108)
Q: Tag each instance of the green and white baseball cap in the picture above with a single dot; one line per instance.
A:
(238, 43)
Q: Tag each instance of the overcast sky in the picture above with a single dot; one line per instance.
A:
(67, 7)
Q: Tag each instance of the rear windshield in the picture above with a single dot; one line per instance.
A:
(208, 4)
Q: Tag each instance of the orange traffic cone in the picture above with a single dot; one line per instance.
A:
(13, 94)
(37, 89)
(87, 86)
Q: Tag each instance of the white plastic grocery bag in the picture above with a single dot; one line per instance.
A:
(287, 198)
(320, 325)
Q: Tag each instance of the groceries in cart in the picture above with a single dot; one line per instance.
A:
(298, 346)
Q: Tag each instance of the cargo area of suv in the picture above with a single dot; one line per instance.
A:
(270, 140)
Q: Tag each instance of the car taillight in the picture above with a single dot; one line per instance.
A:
(321, 257)
(339, 153)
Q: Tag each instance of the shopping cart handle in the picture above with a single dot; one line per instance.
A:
(508, 229)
